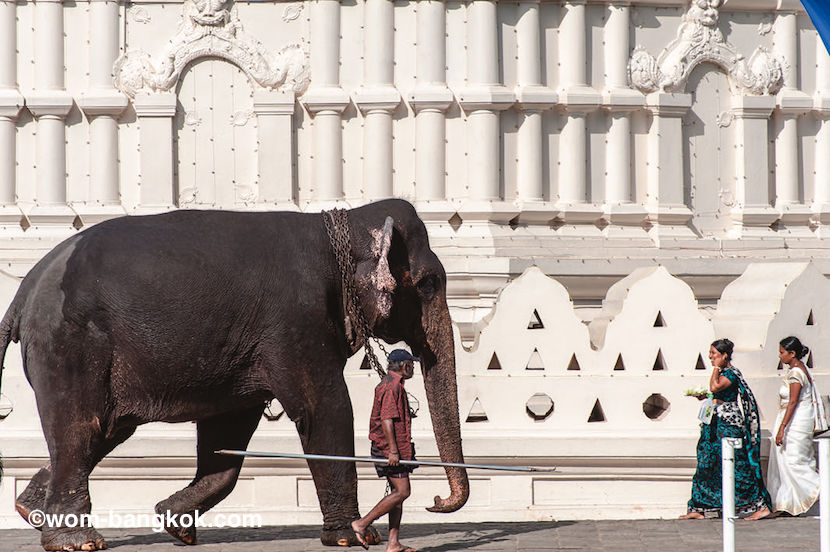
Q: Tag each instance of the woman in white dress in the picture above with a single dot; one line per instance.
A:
(792, 478)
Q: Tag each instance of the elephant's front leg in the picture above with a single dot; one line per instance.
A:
(327, 427)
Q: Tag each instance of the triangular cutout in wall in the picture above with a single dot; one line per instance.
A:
(659, 362)
(573, 364)
(780, 365)
(700, 365)
(810, 320)
(365, 365)
(809, 362)
(477, 413)
(535, 322)
(659, 322)
(597, 415)
(619, 365)
(494, 362)
(535, 361)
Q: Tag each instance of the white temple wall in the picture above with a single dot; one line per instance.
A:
(605, 403)
(527, 133)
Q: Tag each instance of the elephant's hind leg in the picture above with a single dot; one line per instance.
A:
(216, 475)
(67, 494)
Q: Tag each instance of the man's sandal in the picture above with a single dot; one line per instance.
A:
(361, 538)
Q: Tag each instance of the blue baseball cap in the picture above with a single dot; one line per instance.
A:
(399, 355)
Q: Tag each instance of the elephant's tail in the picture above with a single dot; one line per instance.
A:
(9, 331)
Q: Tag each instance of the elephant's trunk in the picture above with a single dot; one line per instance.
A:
(438, 365)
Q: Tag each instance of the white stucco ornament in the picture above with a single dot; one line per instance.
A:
(209, 29)
(698, 41)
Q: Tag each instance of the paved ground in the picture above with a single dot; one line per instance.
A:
(779, 535)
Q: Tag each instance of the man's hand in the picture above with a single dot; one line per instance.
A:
(394, 458)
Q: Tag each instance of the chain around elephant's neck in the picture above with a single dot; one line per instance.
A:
(337, 227)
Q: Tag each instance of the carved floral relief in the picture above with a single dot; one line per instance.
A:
(699, 40)
(210, 28)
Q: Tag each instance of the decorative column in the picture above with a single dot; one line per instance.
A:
(821, 193)
(791, 104)
(430, 99)
(576, 99)
(619, 208)
(11, 103)
(326, 102)
(50, 104)
(483, 100)
(378, 98)
(667, 211)
(275, 150)
(533, 98)
(102, 104)
(155, 114)
(753, 209)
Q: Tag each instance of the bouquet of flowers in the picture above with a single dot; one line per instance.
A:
(699, 393)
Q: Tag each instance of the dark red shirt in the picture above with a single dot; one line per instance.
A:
(391, 403)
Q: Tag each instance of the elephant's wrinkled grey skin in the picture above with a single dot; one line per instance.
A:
(205, 316)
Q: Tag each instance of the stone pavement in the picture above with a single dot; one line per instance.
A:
(779, 535)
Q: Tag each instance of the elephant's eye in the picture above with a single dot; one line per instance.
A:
(428, 286)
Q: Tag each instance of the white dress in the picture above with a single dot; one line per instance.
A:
(792, 478)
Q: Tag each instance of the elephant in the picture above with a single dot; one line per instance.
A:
(206, 316)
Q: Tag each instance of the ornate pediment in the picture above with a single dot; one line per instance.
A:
(700, 41)
(209, 28)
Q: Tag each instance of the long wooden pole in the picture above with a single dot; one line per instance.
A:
(381, 461)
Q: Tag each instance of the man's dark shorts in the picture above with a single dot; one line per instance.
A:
(385, 470)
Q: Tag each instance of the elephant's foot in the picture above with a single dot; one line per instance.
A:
(26, 513)
(186, 534)
(33, 499)
(345, 536)
(76, 538)
(373, 535)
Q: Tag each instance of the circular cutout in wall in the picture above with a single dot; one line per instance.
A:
(656, 406)
(539, 406)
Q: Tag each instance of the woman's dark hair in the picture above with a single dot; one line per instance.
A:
(794, 345)
(724, 347)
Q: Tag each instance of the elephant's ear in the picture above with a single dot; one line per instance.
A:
(383, 283)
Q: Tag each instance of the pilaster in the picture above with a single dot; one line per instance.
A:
(532, 99)
(668, 214)
(275, 149)
(753, 213)
(155, 113)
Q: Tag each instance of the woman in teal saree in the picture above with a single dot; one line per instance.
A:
(736, 415)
